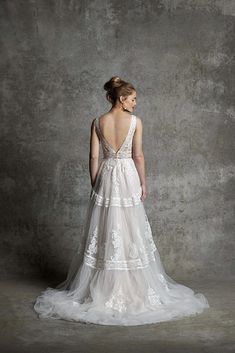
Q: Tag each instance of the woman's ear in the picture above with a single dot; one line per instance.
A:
(121, 99)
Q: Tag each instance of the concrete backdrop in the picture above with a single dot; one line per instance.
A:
(55, 58)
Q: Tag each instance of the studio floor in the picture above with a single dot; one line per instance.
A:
(22, 331)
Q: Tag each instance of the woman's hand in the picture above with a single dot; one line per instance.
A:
(92, 186)
(93, 182)
(144, 192)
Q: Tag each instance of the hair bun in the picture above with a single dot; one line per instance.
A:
(117, 87)
(114, 82)
(116, 79)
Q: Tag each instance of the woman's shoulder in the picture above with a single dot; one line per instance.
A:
(101, 117)
(138, 121)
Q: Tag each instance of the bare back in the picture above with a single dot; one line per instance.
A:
(114, 128)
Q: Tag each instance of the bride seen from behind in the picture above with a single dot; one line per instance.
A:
(121, 280)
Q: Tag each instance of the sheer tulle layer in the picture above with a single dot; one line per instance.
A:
(116, 297)
(121, 280)
(118, 237)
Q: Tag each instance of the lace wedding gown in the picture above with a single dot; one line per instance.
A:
(121, 280)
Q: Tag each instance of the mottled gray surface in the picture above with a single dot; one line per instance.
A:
(23, 332)
(55, 58)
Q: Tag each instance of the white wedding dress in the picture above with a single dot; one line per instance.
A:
(121, 280)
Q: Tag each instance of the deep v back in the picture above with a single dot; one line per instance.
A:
(124, 151)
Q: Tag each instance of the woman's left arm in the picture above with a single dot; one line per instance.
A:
(93, 154)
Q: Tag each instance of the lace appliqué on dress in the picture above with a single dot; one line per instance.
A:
(148, 234)
(139, 256)
(163, 281)
(153, 297)
(92, 248)
(139, 253)
(116, 241)
(133, 250)
(117, 301)
(115, 181)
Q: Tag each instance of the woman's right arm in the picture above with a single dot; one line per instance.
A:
(93, 154)
(138, 156)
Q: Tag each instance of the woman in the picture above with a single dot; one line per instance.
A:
(121, 280)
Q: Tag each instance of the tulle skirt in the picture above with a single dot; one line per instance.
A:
(121, 280)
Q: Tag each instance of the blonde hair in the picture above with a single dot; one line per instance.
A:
(117, 87)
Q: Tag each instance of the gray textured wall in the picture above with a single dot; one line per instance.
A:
(55, 58)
